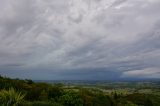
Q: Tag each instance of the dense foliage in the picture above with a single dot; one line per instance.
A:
(11, 97)
(15, 92)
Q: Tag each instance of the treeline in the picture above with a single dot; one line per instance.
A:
(15, 92)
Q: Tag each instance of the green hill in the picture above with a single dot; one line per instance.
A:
(16, 92)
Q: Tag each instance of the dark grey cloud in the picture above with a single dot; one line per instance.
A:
(81, 39)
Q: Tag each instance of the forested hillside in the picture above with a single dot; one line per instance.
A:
(15, 92)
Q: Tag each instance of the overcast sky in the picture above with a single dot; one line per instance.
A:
(80, 39)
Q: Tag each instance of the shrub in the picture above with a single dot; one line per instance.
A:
(11, 97)
(71, 98)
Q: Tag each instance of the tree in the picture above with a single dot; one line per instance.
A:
(55, 92)
(71, 98)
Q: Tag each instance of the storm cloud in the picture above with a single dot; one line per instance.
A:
(80, 39)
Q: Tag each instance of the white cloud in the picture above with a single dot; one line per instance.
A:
(73, 34)
(148, 72)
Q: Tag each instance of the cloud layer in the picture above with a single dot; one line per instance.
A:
(83, 39)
